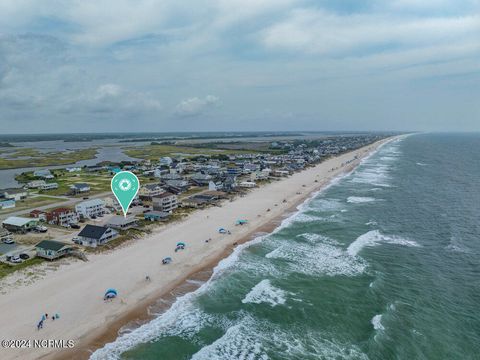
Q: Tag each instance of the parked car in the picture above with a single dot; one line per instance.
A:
(8, 241)
(93, 217)
(24, 256)
(40, 228)
(85, 198)
(14, 259)
(75, 226)
(77, 240)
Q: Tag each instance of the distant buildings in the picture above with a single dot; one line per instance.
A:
(35, 184)
(148, 191)
(15, 194)
(49, 186)
(7, 204)
(80, 188)
(43, 174)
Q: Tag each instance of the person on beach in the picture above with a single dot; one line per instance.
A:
(147, 278)
(40, 325)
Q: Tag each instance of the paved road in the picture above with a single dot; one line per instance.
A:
(67, 203)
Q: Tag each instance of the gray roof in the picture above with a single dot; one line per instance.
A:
(51, 245)
(93, 231)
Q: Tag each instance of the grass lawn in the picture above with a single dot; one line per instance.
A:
(153, 152)
(6, 269)
(16, 158)
(31, 202)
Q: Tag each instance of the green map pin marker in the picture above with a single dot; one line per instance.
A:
(125, 187)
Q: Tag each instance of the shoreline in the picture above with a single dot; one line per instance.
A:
(92, 337)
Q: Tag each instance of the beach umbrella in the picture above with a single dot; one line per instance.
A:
(167, 260)
(111, 291)
(181, 244)
(222, 230)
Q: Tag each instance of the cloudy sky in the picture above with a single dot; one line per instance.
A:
(170, 65)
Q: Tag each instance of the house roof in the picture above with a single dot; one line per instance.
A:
(93, 202)
(121, 220)
(51, 245)
(93, 231)
(61, 210)
(80, 185)
(165, 194)
(17, 221)
(152, 186)
(15, 190)
(160, 214)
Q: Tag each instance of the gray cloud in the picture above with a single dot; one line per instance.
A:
(278, 64)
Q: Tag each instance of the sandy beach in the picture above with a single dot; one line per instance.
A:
(75, 291)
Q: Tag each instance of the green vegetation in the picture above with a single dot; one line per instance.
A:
(6, 269)
(153, 152)
(32, 202)
(30, 157)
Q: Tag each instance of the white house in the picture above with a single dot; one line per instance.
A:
(89, 208)
(49, 186)
(80, 188)
(15, 194)
(35, 184)
(166, 202)
(166, 160)
(93, 235)
(247, 184)
(44, 174)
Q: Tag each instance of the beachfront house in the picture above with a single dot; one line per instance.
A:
(19, 224)
(119, 222)
(166, 202)
(156, 216)
(35, 184)
(62, 217)
(16, 194)
(80, 188)
(90, 208)
(7, 204)
(43, 174)
(51, 249)
(93, 235)
(49, 186)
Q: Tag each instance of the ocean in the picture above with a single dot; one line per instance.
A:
(382, 264)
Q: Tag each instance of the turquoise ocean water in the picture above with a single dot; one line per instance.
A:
(383, 264)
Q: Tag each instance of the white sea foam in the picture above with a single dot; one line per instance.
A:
(265, 292)
(321, 258)
(371, 222)
(373, 238)
(360, 199)
(377, 322)
(421, 164)
(238, 342)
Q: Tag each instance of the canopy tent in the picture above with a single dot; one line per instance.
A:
(222, 231)
(241, 222)
(181, 244)
(110, 294)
